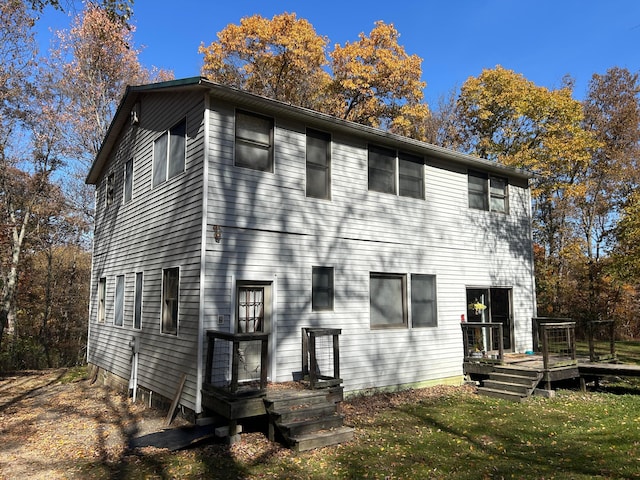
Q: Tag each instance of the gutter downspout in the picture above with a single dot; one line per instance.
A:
(203, 253)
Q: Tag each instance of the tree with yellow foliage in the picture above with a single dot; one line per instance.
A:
(375, 82)
(504, 117)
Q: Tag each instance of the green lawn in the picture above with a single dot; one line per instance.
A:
(457, 435)
(452, 433)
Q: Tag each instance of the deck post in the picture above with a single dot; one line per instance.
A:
(336, 357)
(313, 374)
(209, 364)
(305, 352)
(612, 339)
(545, 347)
(234, 366)
(592, 347)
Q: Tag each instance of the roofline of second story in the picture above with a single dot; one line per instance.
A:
(307, 116)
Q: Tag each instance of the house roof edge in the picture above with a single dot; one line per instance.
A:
(235, 94)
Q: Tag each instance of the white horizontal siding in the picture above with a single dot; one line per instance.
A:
(160, 228)
(271, 230)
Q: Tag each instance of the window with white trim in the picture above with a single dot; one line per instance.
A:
(118, 314)
(322, 289)
(388, 297)
(137, 304)
(424, 312)
(102, 299)
(111, 187)
(169, 152)
(387, 300)
(128, 181)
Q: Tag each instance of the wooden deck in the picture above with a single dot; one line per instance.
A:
(599, 369)
(582, 368)
(563, 368)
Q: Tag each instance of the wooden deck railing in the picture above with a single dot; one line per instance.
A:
(228, 354)
(602, 341)
(476, 336)
(558, 344)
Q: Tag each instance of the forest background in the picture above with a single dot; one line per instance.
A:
(56, 106)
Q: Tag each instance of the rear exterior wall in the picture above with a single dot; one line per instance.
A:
(272, 232)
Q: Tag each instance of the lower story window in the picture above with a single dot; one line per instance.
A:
(170, 288)
(118, 316)
(423, 301)
(322, 289)
(387, 300)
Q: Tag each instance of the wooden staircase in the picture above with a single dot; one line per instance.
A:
(510, 383)
(307, 419)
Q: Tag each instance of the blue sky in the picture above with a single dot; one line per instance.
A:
(542, 39)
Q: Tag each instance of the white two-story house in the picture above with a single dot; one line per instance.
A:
(221, 210)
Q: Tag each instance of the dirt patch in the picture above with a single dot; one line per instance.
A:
(51, 428)
(50, 425)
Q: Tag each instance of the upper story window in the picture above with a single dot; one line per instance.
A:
(487, 192)
(254, 141)
(128, 181)
(318, 164)
(411, 176)
(395, 172)
(169, 152)
(102, 299)
(111, 186)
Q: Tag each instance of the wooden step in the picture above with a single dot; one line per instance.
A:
(312, 425)
(518, 388)
(294, 414)
(321, 438)
(514, 370)
(301, 399)
(505, 395)
(513, 378)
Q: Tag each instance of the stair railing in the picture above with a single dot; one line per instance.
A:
(321, 362)
(477, 336)
(227, 357)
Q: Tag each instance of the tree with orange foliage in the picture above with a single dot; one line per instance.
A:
(373, 81)
(281, 58)
(94, 62)
(89, 68)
